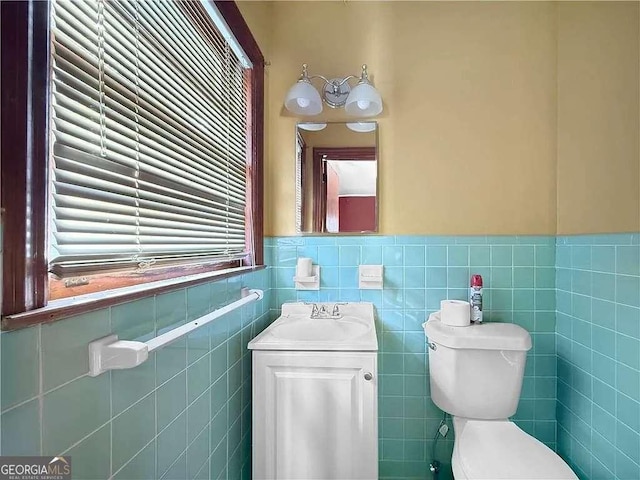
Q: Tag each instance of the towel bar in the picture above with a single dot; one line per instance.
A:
(109, 353)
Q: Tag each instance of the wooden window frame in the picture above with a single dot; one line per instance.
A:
(24, 172)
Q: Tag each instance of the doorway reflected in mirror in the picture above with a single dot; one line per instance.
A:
(336, 178)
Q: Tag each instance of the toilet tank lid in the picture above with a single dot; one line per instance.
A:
(485, 336)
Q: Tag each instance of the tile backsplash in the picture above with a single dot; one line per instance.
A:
(184, 413)
(598, 347)
(419, 271)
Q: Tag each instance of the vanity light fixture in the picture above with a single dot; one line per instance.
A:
(363, 100)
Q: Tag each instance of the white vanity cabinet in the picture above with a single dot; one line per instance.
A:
(315, 394)
(315, 415)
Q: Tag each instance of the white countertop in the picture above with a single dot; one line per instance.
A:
(354, 330)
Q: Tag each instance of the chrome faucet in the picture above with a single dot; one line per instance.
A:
(318, 311)
(322, 311)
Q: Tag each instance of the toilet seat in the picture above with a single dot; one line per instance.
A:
(499, 449)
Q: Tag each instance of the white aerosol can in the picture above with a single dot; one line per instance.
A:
(475, 298)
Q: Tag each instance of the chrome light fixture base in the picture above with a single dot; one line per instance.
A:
(335, 92)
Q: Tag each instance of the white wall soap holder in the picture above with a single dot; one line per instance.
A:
(370, 277)
(308, 282)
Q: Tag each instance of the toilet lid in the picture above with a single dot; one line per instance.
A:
(501, 450)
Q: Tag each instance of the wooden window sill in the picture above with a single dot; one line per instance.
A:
(67, 307)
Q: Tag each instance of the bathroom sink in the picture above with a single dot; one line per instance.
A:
(321, 329)
(354, 329)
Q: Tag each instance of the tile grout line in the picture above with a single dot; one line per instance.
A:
(133, 457)
(110, 406)
(615, 343)
(51, 390)
(155, 390)
(40, 390)
(186, 389)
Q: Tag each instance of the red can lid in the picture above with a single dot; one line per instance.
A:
(476, 280)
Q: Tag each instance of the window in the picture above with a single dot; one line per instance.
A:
(154, 159)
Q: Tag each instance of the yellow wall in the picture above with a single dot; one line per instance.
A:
(473, 92)
(469, 92)
(258, 15)
(598, 119)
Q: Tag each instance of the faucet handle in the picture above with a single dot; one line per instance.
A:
(336, 308)
(314, 308)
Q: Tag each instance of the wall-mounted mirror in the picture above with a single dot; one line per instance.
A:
(337, 177)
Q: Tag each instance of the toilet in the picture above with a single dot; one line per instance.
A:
(476, 376)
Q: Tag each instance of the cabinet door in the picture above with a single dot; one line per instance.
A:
(315, 415)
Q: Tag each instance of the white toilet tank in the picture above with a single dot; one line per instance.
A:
(476, 371)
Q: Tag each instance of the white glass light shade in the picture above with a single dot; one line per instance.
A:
(363, 101)
(361, 127)
(312, 127)
(303, 99)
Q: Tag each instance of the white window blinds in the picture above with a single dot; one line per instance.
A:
(149, 125)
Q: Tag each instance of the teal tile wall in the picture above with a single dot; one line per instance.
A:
(519, 277)
(598, 347)
(185, 413)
